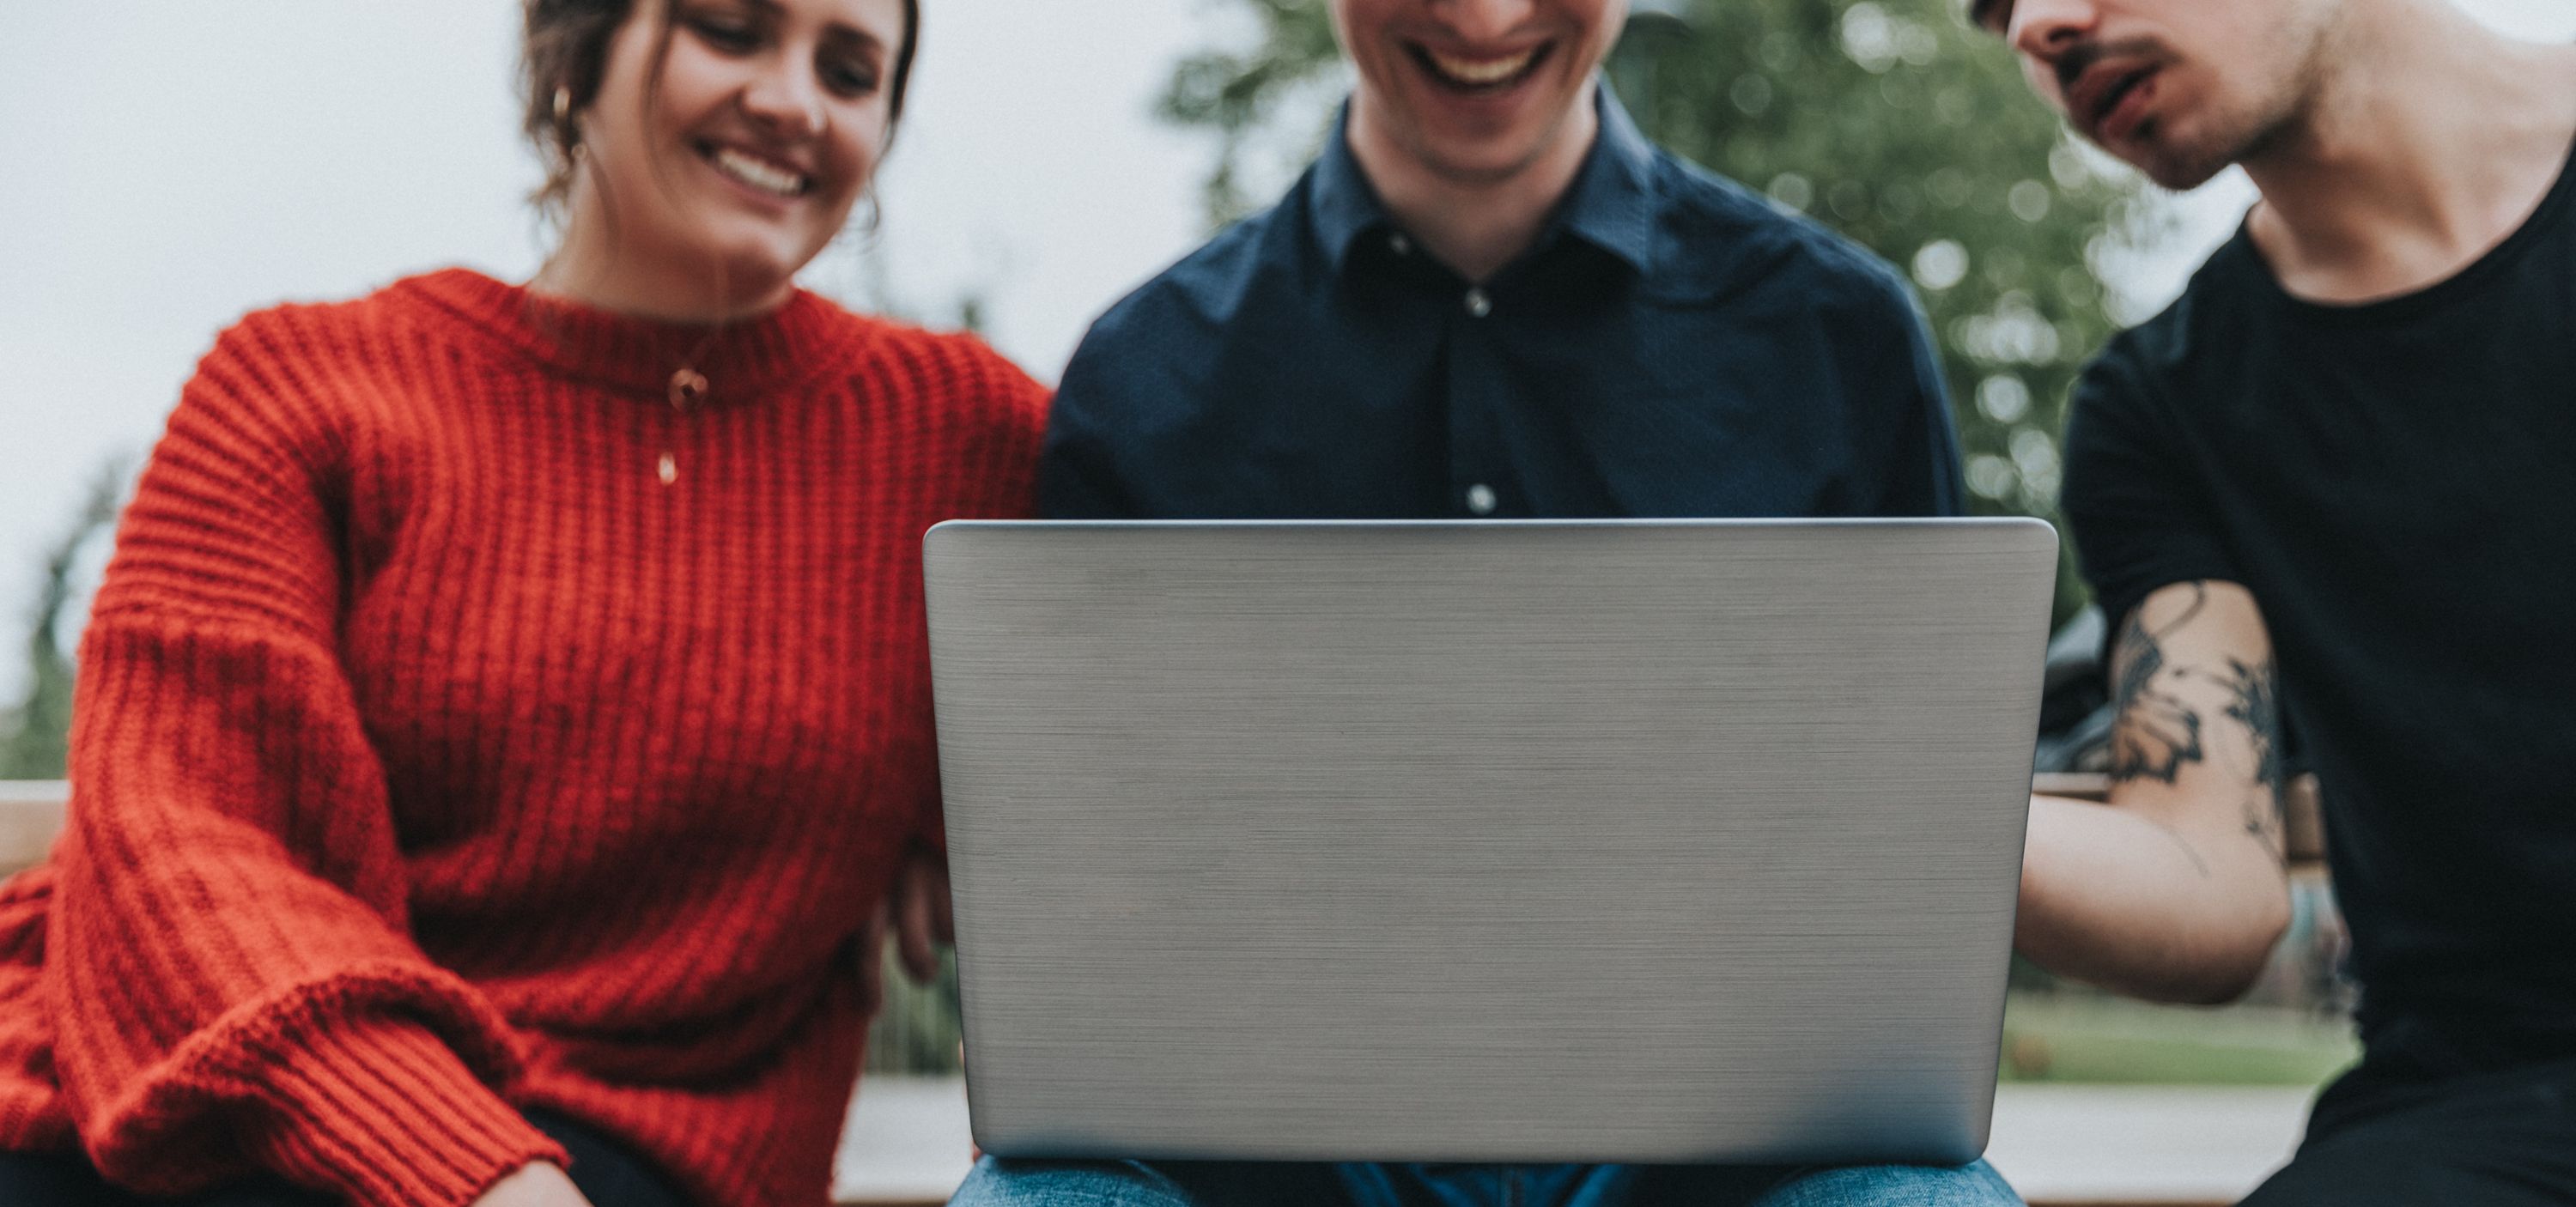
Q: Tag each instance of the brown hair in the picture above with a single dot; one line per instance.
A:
(566, 47)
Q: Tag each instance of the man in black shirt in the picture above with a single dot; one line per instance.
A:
(2335, 485)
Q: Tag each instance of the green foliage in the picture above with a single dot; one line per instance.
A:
(35, 733)
(1891, 121)
(1237, 93)
(916, 1032)
(2105, 1040)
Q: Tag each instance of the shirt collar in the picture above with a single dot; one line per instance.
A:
(1610, 205)
(1345, 205)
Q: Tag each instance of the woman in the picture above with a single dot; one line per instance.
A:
(505, 701)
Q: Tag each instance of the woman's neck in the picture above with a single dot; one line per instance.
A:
(592, 269)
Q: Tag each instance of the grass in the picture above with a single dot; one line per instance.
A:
(2048, 1037)
(2065, 1038)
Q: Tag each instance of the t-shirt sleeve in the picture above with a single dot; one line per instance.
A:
(2134, 500)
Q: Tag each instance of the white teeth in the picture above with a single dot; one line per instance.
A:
(1482, 71)
(758, 174)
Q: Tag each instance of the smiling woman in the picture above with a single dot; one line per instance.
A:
(704, 157)
(508, 703)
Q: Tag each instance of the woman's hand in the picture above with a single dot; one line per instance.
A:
(537, 1184)
(916, 909)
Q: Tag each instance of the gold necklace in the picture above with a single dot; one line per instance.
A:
(688, 388)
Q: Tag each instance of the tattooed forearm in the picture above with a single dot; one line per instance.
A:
(2256, 706)
(2170, 709)
(2157, 732)
(2184, 845)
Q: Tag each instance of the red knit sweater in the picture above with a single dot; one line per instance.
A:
(460, 728)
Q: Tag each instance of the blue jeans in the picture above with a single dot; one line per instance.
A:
(997, 1183)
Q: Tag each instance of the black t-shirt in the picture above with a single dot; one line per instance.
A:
(2396, 484)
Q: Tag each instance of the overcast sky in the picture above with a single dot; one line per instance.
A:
(174, 163)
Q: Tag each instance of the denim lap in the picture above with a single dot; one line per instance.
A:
(1972, 1185)
(1032, 1183)
(1000, 1183)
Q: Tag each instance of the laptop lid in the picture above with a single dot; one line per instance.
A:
(1691, 841)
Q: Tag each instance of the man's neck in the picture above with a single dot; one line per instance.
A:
(2430, 141)
(1473, 225)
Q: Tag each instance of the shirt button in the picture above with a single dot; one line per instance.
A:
(1399, 244)
(1478, 305)
(1480, 499)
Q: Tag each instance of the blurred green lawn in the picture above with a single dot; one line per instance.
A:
(2053, 1036)
(2068, 1038)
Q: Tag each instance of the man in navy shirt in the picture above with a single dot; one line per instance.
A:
(1502, 302)
(1491, 297)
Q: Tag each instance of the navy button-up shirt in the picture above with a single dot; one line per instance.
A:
(1670, 346)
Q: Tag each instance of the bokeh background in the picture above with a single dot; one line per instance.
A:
(177, 162)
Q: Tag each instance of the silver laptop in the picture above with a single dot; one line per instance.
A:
(1528, 841)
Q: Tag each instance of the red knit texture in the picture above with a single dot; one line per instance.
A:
(434, 757)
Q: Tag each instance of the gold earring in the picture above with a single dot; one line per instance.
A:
(563, 104)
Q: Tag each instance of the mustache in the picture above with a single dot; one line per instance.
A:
(2075, 60)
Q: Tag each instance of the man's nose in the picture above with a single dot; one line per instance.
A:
(1485, 20)
(2045, 29)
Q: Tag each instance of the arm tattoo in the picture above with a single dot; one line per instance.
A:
(2157, 732)
(2256, 706)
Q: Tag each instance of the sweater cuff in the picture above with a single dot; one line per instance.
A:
(382, 1111)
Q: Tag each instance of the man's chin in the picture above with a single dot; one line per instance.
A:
(2184, 163)
(2181, 178)
(1482, 162)
(2173, 168)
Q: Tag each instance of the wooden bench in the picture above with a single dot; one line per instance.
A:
(31, 814)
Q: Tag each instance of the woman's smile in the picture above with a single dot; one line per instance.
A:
(766, 176)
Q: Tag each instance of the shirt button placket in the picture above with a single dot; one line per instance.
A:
(1480, 497)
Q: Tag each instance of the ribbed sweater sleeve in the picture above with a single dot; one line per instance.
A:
(231, 970)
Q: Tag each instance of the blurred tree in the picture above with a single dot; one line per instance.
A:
(34, 733)
(916, 1032)
(1890, 121)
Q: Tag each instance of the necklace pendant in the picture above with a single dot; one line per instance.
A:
(688, 386)
(668, 471)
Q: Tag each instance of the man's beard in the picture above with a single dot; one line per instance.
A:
(2227, 138)
(2184, 167)
(2219, 135)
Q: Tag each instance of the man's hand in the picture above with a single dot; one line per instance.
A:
(916, 909)
(539, 1184)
